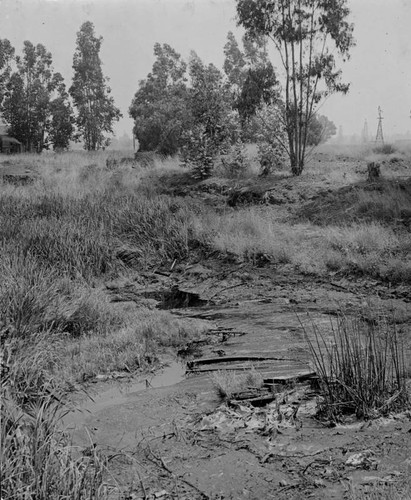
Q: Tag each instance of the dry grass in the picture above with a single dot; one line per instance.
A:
(136, 345)
(227, 383)
(371, 249)
(249, 233)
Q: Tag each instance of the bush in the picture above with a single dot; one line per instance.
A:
(236, 164)
(199, 152)
(385, 149)
(270, 158)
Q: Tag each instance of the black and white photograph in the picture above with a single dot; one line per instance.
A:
(205, 249)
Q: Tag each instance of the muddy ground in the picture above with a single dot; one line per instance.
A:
(170, 435)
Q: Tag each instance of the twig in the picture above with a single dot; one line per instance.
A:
(271, 454)
(160, 462)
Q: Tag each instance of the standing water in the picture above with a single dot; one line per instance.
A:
(121, 392)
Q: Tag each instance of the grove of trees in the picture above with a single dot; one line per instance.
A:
(36, 105)
(197, 110)
(190, 107)
(34, 101)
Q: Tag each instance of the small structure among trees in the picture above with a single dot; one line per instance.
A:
(8, 144)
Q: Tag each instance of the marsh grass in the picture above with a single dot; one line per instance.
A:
(361, 365)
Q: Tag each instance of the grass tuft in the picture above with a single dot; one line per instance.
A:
(227, 383)
(361, 367)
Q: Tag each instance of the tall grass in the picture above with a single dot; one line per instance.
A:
(361, 366)
(37, 459)
(61, 237)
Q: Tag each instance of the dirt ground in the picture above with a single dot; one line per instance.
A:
(175, 438)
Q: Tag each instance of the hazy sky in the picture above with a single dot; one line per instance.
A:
(379, 69)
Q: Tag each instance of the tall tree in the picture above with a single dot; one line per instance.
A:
(96, 112)
(307, 35)
(29, 92)
(159, 107)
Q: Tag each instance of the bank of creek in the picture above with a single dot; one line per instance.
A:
(167, 434)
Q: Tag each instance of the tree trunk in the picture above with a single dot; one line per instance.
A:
(297, 166)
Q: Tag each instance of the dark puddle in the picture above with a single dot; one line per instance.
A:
(175, 298)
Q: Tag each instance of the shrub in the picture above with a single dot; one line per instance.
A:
(270, 158)
(361, 367)
(385, 149)
(236, 164)
(199, 152)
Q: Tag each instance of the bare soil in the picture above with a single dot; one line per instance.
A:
(175, 438)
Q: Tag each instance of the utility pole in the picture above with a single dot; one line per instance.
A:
(380, 135)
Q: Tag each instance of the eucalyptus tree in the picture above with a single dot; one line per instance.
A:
(309, 36)
(96, 112)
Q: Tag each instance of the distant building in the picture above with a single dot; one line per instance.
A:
(8, 144)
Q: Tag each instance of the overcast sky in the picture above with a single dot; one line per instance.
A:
(379, 69)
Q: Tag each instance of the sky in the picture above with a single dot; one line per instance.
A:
(379, 69)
